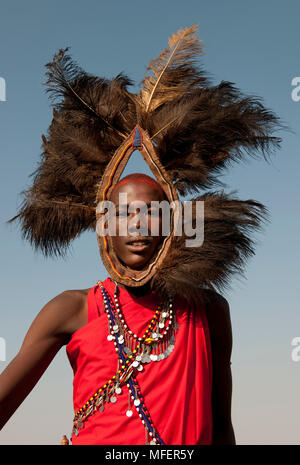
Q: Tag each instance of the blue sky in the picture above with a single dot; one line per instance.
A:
(253, 44)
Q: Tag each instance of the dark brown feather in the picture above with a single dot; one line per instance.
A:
(229, 224)
(206, 124)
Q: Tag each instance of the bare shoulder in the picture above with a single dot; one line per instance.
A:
(219, 321)
(74, 296)
(216, 306)
(72, 301)
(70, 308)
(60, 317)
(215, 300)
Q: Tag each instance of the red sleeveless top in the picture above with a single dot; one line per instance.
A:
(177, 390)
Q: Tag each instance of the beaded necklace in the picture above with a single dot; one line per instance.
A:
(156, 344)
(158, 340)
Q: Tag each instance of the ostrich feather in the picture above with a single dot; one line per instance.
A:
(228, 227)
(80, 90)
(173, 71)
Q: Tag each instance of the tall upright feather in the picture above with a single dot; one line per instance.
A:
(174, 71)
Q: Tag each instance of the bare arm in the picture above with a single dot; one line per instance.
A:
(47, 334)
(218, 315)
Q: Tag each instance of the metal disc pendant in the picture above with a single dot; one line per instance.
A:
(153, 357)
(146, 359)
(118, 390)
(98, 401)
(129, 413)
(137, 402)
(113, 399)
(135, 364)
(110, 337)
(140, 368)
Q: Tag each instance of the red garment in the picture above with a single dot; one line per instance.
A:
(176, 390)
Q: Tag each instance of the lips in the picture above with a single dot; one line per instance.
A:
(138, 245)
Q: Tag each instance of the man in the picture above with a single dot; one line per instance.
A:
(187, 132)
(67, 313)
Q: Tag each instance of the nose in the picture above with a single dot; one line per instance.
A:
(138, 224)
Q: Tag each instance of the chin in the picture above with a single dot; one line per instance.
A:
(137, 266)
(138, 263)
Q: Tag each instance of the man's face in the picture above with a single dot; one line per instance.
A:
(135, 249)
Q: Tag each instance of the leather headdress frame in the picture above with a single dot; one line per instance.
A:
(137, 140)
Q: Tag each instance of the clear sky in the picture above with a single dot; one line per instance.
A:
(254, 44)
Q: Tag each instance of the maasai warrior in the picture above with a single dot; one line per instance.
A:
(151, 344)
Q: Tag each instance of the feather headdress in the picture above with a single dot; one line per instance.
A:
(186, 129)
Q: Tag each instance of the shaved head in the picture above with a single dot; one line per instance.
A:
(136, 179)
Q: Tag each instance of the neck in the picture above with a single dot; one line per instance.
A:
(137, 291)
